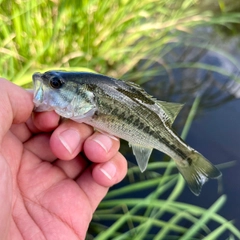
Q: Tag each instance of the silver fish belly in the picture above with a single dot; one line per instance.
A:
(124, 110)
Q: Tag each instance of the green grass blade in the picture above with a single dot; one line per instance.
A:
(204, 219)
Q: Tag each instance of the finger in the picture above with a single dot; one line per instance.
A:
(74, 167)
(95, 148)
(100, 147)
(67, 140)
(37, 122)
(110, 172)
(16, 105)
(43, 122)
(21, 131)
(39, 145)
(96, 181)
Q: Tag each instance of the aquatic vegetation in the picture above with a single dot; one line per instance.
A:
(125, 39)
(159, 215)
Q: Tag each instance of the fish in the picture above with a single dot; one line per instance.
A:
(125, 110)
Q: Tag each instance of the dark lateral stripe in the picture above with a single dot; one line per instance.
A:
(134, 94)
(189, 160)
(131, 119)
(181, 153)
(174, 148)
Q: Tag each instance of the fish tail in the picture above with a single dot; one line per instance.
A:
(196, 170)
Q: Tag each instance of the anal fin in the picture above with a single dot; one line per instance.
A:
(142, 155)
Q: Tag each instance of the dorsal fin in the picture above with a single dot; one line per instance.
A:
(171, 109)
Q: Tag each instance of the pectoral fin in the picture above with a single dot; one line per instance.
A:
(142, 155)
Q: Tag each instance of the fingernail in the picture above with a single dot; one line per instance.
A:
(108, 169)
(70, 139)
(104, 141)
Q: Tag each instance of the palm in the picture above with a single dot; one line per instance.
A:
(46, 202)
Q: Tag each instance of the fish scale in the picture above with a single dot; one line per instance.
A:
(109, 106)
(109, 124)
(124, 119)
(125, 110)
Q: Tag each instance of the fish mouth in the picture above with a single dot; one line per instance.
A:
(38, 89)
(40, 103)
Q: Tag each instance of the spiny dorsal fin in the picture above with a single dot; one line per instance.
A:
(171, 109)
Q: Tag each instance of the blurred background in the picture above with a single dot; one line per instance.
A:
(185, 51)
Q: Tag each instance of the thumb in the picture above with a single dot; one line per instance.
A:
(16, 105)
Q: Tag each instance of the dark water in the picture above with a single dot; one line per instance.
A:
(215, 131)
(216, 134)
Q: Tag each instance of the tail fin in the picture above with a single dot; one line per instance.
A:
(196, 170)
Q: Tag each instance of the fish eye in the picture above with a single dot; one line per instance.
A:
(55, 83)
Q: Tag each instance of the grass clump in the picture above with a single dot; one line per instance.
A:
(109, 37)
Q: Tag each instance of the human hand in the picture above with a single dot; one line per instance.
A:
(41, 196)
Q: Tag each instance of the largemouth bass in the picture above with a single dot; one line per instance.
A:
(125, 110)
